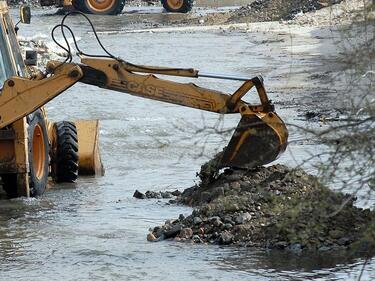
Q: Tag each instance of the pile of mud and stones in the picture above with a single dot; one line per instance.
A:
(272, 207)
(273, 10)
(261, 11)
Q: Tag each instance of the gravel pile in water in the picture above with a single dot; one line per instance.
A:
(273, 207)
(273, 10)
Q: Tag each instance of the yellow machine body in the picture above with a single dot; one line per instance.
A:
(15, 158)
(260, 137)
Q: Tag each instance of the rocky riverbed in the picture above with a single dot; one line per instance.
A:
(315, 12)
(273, 207)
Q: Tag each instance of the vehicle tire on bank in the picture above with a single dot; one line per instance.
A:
(38, 152)
(177, 6)
(99, 7)
(64, 153)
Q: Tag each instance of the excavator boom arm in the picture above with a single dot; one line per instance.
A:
(258, 139)
(120, 76)
(21, 96)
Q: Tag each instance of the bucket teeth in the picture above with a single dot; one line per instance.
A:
(254, 143)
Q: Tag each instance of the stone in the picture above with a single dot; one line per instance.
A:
(151, 237)
(228, 219)
(344, 241)
(166, 195)
(206, 196)
(215, 221)
(235, 185)
(244, 185)
(181, 217)
(234, 177)
(197, 220)
(228, 226)
(324, 249)
(176, 193)
(173, 231)
(139, 195)
(197, 239)
(239, 219)
(218, 192)
(295, 247)
(280, 245)
(186, 233)
(247, 216)
(153, 195)
(336, 234)
(226, 238)
(158, 231)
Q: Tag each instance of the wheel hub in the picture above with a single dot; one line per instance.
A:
(101, 5)
(175, 4)
(39, 152)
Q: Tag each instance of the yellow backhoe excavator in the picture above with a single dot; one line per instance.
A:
(114, 7)
(32, 148)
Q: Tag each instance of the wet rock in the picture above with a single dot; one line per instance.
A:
(344, 241)
(244, 185)
(176, 193)
(197, 239)
(197, 220)
(226, 238)
(228, 226)
(153, 195)
(201, 231)
(151, 237)
(158, 231)
(215, 221)
(228, 219)
(217, 192)
(324, 249)
(206, 197)
(186, 233)
(235, 185)
(242, 218)
(281, 245)
(139, 195)
(173, 231)
(166, 195)
(336, 234)
(295, 247)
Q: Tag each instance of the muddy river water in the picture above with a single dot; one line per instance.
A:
(94, 229)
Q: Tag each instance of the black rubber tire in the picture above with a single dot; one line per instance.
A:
(64, 157)
(37, 184)
(10, 184)
(84, 7)
(186, 7)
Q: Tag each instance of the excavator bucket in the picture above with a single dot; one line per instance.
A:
(258, 140)
(88, 146)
